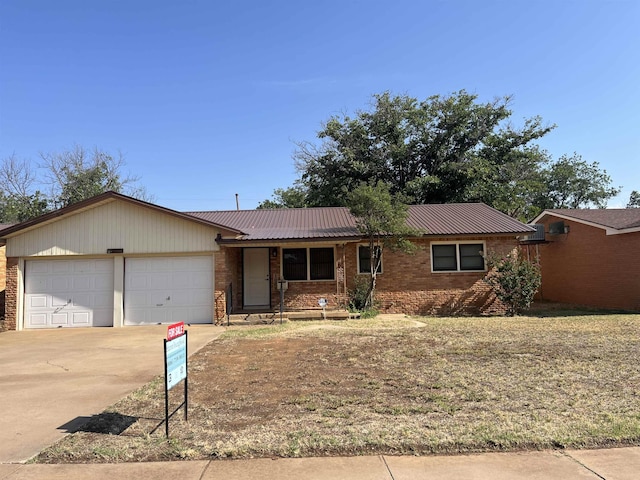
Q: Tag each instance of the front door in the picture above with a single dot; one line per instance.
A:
(256, 289)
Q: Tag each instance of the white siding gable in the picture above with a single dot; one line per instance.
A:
(116, 224)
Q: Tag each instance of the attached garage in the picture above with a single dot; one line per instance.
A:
(168, 290)
(111, 260)
(68, 293)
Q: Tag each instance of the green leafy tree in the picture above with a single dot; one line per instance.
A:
(571, 182)
(634, 200)
(445, 149)
(19, 200)
(292, 197)
(16, 209)
(429, 151)
(67, 177)
(514, 279)
(78, 174)
(382, 219)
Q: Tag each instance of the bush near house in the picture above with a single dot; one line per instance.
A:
(514, 279)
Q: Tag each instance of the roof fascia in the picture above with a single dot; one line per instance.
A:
(239, 242)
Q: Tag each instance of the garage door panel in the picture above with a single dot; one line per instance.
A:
(57, 301)
(58, 284)
(82, 282)
(38, 301)
(61, 267)
(159, 280)
(59, 319)
(81, 319)
(103, 318)
(86, 300)
(201, 297)
(103, 300)
(103, 283)
(68, 293)
(39, 319)
(173, 287)
(181, 297)
(135, 281)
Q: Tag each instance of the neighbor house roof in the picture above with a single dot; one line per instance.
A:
(338, 223)
(613, 220)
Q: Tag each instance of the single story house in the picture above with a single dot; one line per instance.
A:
(591, 257)
(113, 260)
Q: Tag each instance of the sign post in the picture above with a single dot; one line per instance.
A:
(175, 368)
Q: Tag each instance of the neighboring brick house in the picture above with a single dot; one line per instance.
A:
(113, 260)
(591, 257)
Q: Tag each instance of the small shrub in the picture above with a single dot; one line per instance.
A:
(514, 279)
(358, 296)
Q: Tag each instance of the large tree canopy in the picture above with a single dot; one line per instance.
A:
(67, 177)
(440, 150)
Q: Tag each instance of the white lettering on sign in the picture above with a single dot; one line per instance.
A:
(176, 358)
(175, 330)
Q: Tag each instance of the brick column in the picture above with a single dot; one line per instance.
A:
(11, 295)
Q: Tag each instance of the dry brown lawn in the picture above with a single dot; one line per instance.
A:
(402, 386)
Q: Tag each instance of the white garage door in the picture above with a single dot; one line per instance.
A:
(68, 293)
(168, 290)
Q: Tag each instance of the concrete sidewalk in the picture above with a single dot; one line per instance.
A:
(609, 464)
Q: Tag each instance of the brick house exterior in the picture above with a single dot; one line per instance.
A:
(317, 252)
(591, 257)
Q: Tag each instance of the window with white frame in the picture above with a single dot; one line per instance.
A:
(364, 259)
(457, 256)
(308, 263)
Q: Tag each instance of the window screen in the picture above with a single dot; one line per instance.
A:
(471, 257)
(364, 260)
(321, 263)
(294, 263)
(444, 258)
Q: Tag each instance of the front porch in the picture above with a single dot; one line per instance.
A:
(248, 281)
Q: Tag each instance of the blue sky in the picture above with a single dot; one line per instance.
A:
(206, 99)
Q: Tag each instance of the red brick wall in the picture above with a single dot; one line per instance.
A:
(3, 280)
(587, 267)
(11, 292)
(405, 286)
(227, 271)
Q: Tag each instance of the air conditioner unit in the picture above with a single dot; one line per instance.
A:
(558, 228)
(538, 236)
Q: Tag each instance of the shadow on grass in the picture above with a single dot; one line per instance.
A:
(107, 422)
(552, 309)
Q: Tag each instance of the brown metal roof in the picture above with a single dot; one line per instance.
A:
(286, 223)
(617, 218)
(337, 222)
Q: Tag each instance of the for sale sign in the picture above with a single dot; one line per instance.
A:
(176, 354)
(175, 367)
(175, 330)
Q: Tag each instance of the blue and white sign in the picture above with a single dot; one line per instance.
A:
(176, 357)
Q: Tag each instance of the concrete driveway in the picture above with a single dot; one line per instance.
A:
(51, 381)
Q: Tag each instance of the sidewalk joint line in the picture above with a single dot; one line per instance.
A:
(384, 460)
(583, 465)
(204, 470)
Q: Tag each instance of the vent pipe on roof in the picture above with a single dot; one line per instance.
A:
(237, 202)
